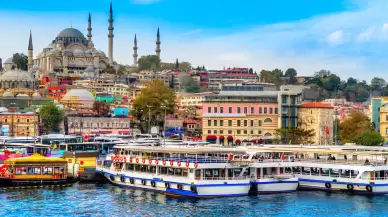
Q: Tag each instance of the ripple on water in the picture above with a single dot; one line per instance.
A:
(108, 200)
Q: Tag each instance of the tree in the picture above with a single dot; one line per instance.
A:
(177, 64)
(51, 116)
(149, 62)
(250, 71)
(322, 73)
(20, 61)
(356, 125)
(185, 66)
(370, 138)
(295, 135)
(291, 73)
(121, 70)
(188, 84)
(150, 102)
(109, 70)
(378, 83)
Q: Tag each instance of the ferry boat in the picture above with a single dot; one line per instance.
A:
(35, 170)
(335, 169)
(200, 172)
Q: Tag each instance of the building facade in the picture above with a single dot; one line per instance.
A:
(15, 123)
(319, 117)
(98, 125)
(383, 121)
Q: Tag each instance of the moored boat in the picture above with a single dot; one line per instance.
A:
(35, 170)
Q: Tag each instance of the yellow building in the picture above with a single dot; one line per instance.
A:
(319, 117)
(384, 121)
(18, 124)
(191, 99)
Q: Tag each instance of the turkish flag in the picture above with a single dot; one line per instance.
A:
(4, 169)
(327, 131)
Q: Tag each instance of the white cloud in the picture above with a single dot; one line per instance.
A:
(385, 27)
(367, 34)
(145, 2)
(192, 32)
(335, 38)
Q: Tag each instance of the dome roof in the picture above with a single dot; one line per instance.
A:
(50, 46)
(80, 94)
(71, 32)
(3, 109)
(78, 51)
(7, 94)
(16, 75)
(89, 69)
(36, 95)
(22, 95)
(9, 61)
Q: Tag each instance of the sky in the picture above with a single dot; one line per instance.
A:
(347, 37)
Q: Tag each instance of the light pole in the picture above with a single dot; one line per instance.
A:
(149, 118)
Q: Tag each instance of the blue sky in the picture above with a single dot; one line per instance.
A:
(348, 37)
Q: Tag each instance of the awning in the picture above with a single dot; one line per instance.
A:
(230, 138)
(124, 132)
(238, 141)
(245, 140)
(222, 137)
(211, 137)
(105, 131)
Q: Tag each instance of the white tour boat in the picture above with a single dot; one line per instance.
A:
(202, 172)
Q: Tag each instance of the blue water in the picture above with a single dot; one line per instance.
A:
(108, 200)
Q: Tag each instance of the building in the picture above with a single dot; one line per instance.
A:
(383, 121)
(192, 99)
(108, 86)
(289, 97)
(319, 117)
(374, 107)
(98, 125)
(16, 79)
(14, 123)
(78, 99)
(232, 117)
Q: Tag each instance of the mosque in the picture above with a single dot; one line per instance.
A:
(71, 53)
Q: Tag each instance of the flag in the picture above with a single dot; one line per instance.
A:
(3, 169)
(283, 156)
(327, 131)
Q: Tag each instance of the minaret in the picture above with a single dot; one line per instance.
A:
(110, 36)
(90, 28)
(30, 54)
(135, 52)
(158, 44)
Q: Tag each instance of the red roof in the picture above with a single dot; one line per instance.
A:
(240, 75)
(316, 105)
(189, 122)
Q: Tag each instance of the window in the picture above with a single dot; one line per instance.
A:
(245, 123)
(265, 110)
(251, 123)
(215, 131)
(5, 120)
(276, 110)
(245, 132)
(260, 110)
(221, 110)
(209, 132)
(259, 123)
(245, 110)
(229, 123)
(259, 132)
(209, 123)
(215, 109)
(238, 131)
(268, 120)
(47, 170)
(238, 123)
(215, 123)
(229, 132)
(230, 109)
(221, 123)
(221, 132)
(386, 117)
(251, 132)
(284, 99)
(270, 110)
(18, 120)
(238, 110)
(28, 120)
(209, 110)
(252, 110)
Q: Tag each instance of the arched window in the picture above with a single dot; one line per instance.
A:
(268, 120)
(267, 134)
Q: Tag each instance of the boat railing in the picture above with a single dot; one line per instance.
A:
(226, 178)
(374, 179)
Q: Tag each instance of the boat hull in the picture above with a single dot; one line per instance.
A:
(19, 183)
(203, 190)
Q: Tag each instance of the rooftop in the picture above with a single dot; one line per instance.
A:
(316, 105)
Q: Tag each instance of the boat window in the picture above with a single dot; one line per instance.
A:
(37, 170)
(47, 170)
(30, 171)
(163, 170)
(247, 172)
(237, 172)
(19, 170)
(197, 173)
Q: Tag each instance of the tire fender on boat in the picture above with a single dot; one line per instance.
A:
(171, 162)
(327, 185)
(187, 164)
(369, 188)
(350, 187)
(144, 182)
(167, 185)
(180, 187)
(153, 183)
(179, 163)
(132, 180)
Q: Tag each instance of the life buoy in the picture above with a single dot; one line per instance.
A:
(171, 162)
(328, 185)
(144, 182)
(153, 184)
(369, 188)
(143, 160)
(164, 162)
(130, 159)
(195, 164)
(187, 164)
(150, 161)
(350, 187)
(132, 180)
(156, 162)
(230, 157)
(137, 160)
(124, 159)
(193, 188)
(179, 163)
(167, 185)
(180, 187)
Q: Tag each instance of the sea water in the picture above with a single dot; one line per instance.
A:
(108, 200)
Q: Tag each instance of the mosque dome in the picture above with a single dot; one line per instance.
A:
(16, 75)
(79, 94)
(71, 32)
(50, 46)
(9, 61)
(78, 51)
(89, 69)
(36, 95)
(22, 95)
(8, 94)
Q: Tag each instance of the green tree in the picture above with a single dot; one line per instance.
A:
(109, 70)
(291, 73)
(378, 83)
(356, 125)
(20, 61)
(295, 135)
(188, 84)
(149, 62)
(151, 101)
(185, 66)
(121, 70)
(176, 64)
(250, 71)
(370, 138)
(51, 116)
